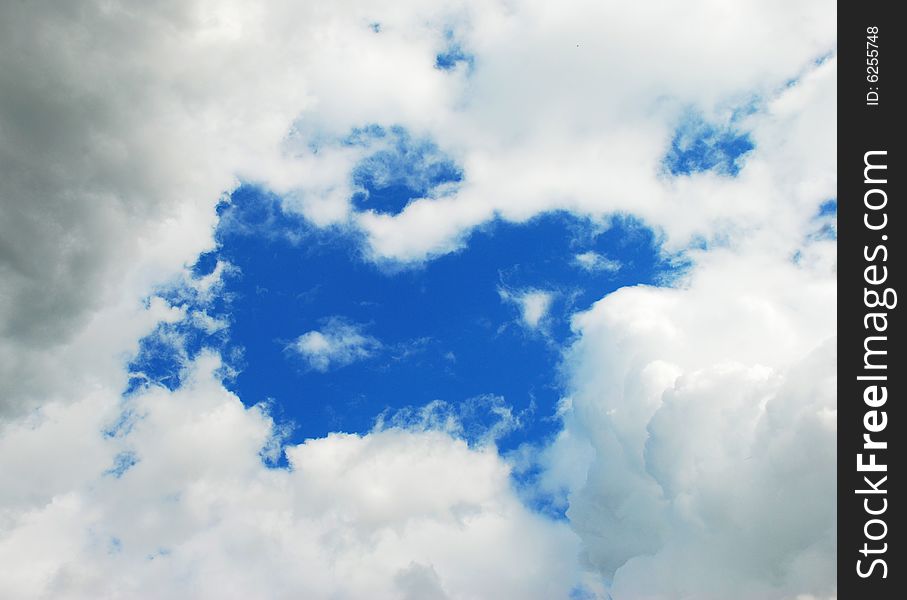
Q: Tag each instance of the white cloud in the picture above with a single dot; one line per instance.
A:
(583, 145)
(593, 261)
(711, 412)
(389, 514)
(481, 420)
(338, 344)
(534, 305)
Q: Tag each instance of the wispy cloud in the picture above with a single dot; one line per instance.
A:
(534, 305)
(593, 261)
(337, 344)
(481, 420)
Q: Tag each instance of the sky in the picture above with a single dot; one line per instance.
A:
(418, 300)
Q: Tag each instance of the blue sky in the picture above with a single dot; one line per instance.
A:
(451, 329)
(456, 332)
(443, 330)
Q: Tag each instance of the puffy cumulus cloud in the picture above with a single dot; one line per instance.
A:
(336, 345)
(704, 418)
(698, 451)
(192, 511)
(114, 151)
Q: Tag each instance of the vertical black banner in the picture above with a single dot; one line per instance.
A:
(871, 266)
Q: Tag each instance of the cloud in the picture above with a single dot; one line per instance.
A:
(336, 345)
(533, 305)
(481, 420)
(420, 582)
(586, 147)
(710, 410)
(111, 168)
(593, 261)
(195, 513)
